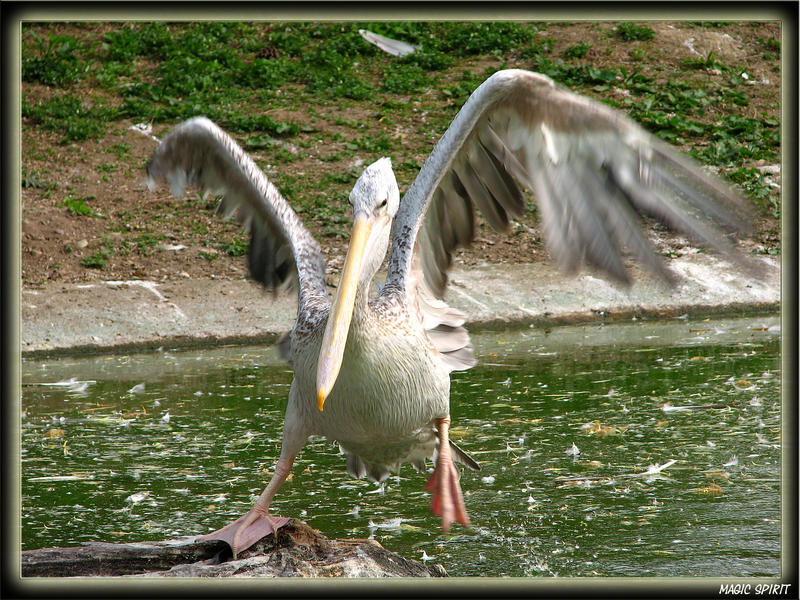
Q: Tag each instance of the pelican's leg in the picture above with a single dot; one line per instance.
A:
(251, 527)
(447, 500)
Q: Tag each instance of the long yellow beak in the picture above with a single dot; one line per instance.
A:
(335, 338)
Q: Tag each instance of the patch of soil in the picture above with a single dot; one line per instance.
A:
(136, 234)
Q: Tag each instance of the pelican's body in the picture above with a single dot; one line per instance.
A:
(373, 374)
(390, 389)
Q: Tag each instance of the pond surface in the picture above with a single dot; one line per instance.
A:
(644, 449)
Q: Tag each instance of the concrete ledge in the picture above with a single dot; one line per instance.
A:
(115, 316)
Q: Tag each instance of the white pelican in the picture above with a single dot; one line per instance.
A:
(373, 373)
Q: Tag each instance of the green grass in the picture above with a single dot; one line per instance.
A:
(579, 50)
(238, 247)
(240, 74)
(629, 32)
(56, 61)
(71, 116)
(98, 260)
(752, 181)
(120, 149)
(78, 207)
(202, 68)
(33, 179)
(145, 242)
(208, 68)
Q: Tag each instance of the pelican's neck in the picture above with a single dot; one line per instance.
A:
(372, 264)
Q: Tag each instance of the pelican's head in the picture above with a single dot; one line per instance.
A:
(375, 192)
(375, 199)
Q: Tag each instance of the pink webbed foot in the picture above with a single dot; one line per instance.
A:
(246, 530)
(447, 500)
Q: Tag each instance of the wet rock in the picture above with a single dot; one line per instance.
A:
(297, 551)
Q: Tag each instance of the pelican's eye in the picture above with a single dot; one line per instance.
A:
(383, 204)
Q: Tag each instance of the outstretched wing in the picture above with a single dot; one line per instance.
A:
(282, 251)
(591, 171)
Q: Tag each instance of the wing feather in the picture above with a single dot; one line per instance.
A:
(457, 210)
(497, 180)
(591, 171)
(282, 251)
(482, 197)
(442, 323)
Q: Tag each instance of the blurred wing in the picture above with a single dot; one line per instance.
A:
(592, 172)
(282, 251)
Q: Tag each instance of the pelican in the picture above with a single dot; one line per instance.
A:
(373, 373)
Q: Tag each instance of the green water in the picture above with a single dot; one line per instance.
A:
(192, 450)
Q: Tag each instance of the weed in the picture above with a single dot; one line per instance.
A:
(249, 123)
(352, 124)
(576, 75)
(629, 32)
(770, 44)
(342, 177)
(238, 247)
(132, 41)
(32, 179)
(267, 73)
(772, 48)
(707, 24)
(98, 260)
(75, 119)
(332, 157)
(460, 91)
(409, 166)
(541, 47)
(146, 241)
(470, 39)
(753, 182)
(709, 62)
(373, 143)
(120, 149)
(78, 207)
(260, 142)
(579, 50)
(122, 227)
(430, 60)
(736, 138)
(404, 78)
(637, 54)
(56, 62)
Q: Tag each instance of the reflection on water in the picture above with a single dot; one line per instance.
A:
(649, 449)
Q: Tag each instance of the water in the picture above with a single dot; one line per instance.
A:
(650, 449)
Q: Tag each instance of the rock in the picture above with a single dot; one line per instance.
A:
(298, 551)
